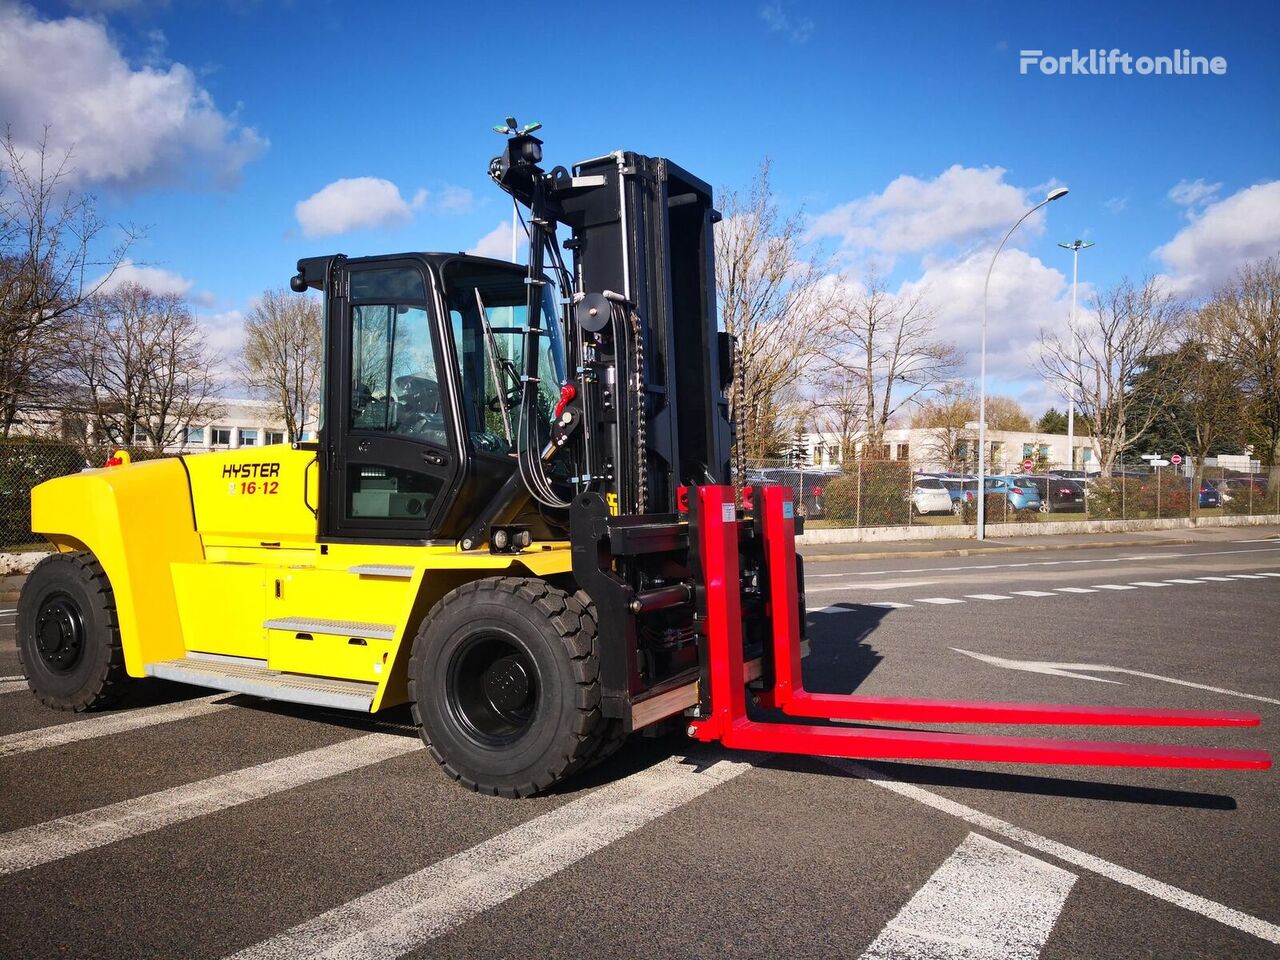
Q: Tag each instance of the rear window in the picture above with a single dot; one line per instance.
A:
(930, 483)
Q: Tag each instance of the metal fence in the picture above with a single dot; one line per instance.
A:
(873, 493)
(868, 493)
(24, 463)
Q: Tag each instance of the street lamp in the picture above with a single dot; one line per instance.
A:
(1075, 247)
(1054, 194)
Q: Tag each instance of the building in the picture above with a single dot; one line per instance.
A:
(239, 423)
(939, 449)
(243, 423)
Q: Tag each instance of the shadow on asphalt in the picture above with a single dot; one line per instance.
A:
(1025, 783)
(840, 658)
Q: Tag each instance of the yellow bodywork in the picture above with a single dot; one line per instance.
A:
(203, 551)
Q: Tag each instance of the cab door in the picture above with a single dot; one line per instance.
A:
(392, 447)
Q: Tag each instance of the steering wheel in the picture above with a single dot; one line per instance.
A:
(510, 397)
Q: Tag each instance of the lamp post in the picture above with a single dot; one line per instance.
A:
(1075, 247)
(981, 532)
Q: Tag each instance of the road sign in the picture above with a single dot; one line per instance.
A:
(1028, 464)
(1176, 459)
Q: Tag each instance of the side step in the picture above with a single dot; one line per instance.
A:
(337, 628)
(247, 675)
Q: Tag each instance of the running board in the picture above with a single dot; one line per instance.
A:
(251, 676)
(715, 538)
(335, 628)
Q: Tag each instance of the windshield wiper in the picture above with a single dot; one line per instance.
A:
(491, 353)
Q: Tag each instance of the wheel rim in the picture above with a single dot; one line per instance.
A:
(492, 688)
(60, 633)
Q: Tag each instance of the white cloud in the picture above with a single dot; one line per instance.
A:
(155, 279)
(913, 215)
(797, 29)
(225, 329)
(354, 203)
(1025, 296)
(455, 200)
(1117, 204)
(1190, 193)
(127, 125)
(497, 243)
(1223, 237)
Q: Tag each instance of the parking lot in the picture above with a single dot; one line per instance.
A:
(211, 826)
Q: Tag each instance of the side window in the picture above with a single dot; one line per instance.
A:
(395, 383)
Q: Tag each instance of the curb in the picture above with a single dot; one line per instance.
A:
(983, 551)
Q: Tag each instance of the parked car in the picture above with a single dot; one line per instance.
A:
(961, 488)
(1020, 494)
(1074, 474)
(928, 495)
(810, 506)
(1231, 487)
(1057, 494)
(1209, 496)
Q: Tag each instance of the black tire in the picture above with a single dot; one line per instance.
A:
(505, 688)
(69, 634)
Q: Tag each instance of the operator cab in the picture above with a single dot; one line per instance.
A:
(424, 360)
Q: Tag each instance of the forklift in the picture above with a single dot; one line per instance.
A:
(519, 518)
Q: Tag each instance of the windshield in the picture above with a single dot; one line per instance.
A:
(491, 355)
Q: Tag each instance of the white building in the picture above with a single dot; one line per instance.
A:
(239, 423)
(937, 448)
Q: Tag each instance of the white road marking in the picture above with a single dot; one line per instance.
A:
(1148, 583)
(1069, 670)
(987, 596)
(1033, 593)
(1086, 861)
(1269, 574)
(871, 586)
(889, 604)
(13, 686)
(1263, 540)
(937, 600)
(987, 901)
(1075, 590)
(1215, 579)
(108, 724)
(55, 839)
(9, 679)
(1246, 576)
(1113, 586)
(408, 913)
(1041, 563)
(1177, 580)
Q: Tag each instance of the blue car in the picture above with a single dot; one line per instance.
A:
(1210, 496)
(960, 487)
(1021, 494)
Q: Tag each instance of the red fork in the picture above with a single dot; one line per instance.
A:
(716, 540)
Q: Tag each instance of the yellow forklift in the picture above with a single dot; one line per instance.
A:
(517, 518)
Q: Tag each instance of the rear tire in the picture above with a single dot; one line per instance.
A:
(505, 688)
(69, 635)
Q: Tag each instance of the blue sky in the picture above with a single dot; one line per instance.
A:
(905, 132)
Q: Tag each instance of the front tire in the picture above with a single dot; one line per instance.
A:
(69, 635)
(505, 688)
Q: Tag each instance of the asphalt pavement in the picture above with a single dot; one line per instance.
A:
(189, 825)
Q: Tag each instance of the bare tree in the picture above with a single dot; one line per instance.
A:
(1209, 396)
(1245, 318)
(885, 343)
(1128, 325)
(839, 411)
(49, 241)
(283, 355)
(769, 295)
(143, 366)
